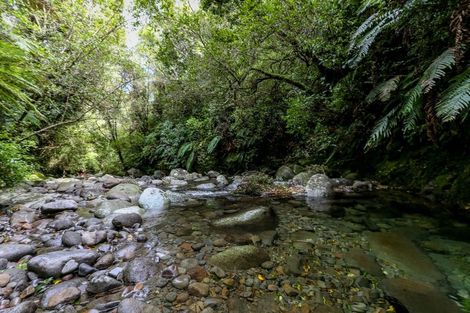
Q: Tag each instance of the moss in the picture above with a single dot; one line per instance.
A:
(255, 184)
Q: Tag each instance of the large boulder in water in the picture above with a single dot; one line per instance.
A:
(140, 270)
(126, 192)
(239, 258)
(260, 216)
(51, 264)
(397, 249)
(284, 173)
(153, 199)
(418, 297)
(319, 186)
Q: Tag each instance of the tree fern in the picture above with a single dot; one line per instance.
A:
(456, 98)
(383, 128)
(365, 35)
(384, 90)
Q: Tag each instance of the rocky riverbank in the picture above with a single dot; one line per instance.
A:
(195, 243)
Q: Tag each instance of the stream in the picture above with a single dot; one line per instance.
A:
(94, 245)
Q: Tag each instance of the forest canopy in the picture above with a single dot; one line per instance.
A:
(376, 87)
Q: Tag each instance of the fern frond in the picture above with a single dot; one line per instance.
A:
(184, 149)
(456, 98)
(213, 144)
(383, 128)
(437, 69)
(367, 4)
(384, 90)
(366, 34)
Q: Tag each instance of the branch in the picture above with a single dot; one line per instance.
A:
(284, 79)
(82, 115)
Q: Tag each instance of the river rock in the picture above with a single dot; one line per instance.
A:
(51, 263)
(92, 238)
(71, 238)
(207, 186)
(65, 292)
(140, 270)
(153, 199)
(284, 173)
(15, 251)
(419, 297)
(102, 283)
(24, 307)
(222, 181)
(23, 216)
(181, 281)
(359, 259)
(260, 216)
(318, 186)
(58, 206)
(397, 249)
(135, 306)
(302, 178)
(176, 197)
(108, 207)
(127, 220)
(179, 173)
(198, 289)
(126, 192)
(239, 258)
(109, 181)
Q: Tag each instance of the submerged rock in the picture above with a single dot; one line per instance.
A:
(395, 248)
(140, 270)
(261, 216)
(135, 306)
(418, 297)
(153, 199)
(319, 186)
(239, 258)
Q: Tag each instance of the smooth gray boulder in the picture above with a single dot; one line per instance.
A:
(50, 264)
(319, 186)
(58, 206)
(153, 199)
(15, 251)
(140, 270)
(131, 305)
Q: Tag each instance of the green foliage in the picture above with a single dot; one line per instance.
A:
(456, 98)
(15, 164)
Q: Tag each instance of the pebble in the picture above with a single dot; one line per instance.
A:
(181, 282)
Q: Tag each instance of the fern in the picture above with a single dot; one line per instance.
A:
(437, 69)
(184, 149)
(384, 90)
(213, 144)
(364, 37)
(456, 98)
(383, 128)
